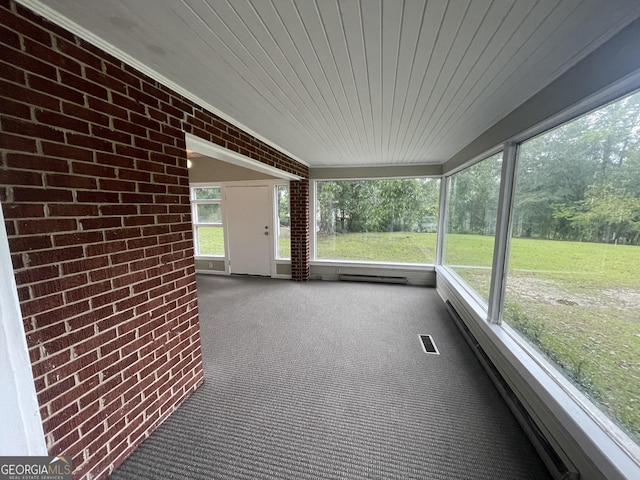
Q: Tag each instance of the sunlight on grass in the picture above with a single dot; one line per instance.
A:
(578, 303)
(395, 247)
(284, 248)
(471, 256)
(211, 240)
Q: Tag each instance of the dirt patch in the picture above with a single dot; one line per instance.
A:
(552, 293)
(627, 298)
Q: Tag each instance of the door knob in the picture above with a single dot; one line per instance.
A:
(266, 233)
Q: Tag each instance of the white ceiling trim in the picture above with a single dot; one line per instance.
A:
(218, 152)
(375, 172)
(85, 34)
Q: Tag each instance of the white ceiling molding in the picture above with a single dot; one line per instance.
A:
(208, 149)
(64, 22)
(379, 171)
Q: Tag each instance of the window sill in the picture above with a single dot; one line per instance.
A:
(581, 434)
(428, 267)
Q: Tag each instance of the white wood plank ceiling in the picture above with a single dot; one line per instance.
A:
(357, 82)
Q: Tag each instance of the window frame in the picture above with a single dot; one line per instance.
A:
(558, 405)
(276, 222)
(196, 224)
(478, 304)
(313, 219)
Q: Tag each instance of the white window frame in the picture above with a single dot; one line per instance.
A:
(196, 224)
(276, 222)
(475, 301)
(579, 431)
(313, 225)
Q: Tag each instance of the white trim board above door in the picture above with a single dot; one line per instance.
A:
(218, 152)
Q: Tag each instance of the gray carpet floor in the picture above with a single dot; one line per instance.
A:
(328, 380)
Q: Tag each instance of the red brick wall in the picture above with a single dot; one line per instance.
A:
(299, 200)
(94, 189)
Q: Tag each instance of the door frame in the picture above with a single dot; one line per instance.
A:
(19, 410)
(271, 184)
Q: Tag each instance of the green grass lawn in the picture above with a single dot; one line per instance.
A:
(211, 240)
(597, 264)
(399, 247)
(578, 303)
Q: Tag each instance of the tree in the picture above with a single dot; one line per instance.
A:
(574, 180)
(608, 215)
(207, 193)
(283, 205)
(350, 206)
(473, 198)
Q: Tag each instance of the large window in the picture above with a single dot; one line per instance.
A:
(573, 287)
(384, 221)
(207, 220)
(472, 205)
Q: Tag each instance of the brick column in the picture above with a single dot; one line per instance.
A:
(299, 199)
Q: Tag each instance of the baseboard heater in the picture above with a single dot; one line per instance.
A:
(550, 457)
(372, 278)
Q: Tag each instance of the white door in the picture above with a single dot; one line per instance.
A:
(248, 212)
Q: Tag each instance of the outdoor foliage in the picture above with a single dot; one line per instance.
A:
(472, 202)
(392, 247)
(578, 182)
(211, 241)
(581, 181)
(354, 206)
(282, 192)
(207, 193)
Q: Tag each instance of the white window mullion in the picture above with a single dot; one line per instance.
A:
(442, 216)
(503, 234)
(312, 219)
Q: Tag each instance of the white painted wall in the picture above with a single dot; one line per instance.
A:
(21, 430)
(207, 170)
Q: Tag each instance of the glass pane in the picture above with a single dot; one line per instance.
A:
(207, 193)
(284, 228)
(210, 241)
(573, 288)
(377, 220)
(208, 213)
(472, 207)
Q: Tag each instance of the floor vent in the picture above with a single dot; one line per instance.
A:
(428, 344)
(372, 278)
